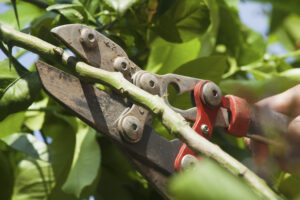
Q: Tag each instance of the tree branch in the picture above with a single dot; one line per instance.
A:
(175, 123)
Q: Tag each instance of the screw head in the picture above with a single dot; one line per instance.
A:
(149, 83)
(121, 64)
(204, 128)
(131, 129)
(212, 94)
(187, 161)
(88, 38)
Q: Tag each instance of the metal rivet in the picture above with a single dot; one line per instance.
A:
(212, 94)
(121, 64)
(149, 83)
(87, 38)
(188, 160)
(131, 129)
(204, 128)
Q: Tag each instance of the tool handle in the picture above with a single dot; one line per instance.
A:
(267, 125)
(256, 122)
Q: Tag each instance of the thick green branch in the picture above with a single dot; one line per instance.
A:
(172, 120)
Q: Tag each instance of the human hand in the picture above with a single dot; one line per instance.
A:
(287, 103)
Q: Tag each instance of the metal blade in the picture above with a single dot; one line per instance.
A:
(222, 120)
(89, 45)
(101, 110)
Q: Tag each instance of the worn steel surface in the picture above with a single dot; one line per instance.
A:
(101, 110)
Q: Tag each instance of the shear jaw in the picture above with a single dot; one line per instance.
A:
(99, 51)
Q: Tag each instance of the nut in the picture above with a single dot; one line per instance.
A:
(121, 64)
(204, 129)
(187, 161)
(212, 94)
(131, 129)
(88, 38)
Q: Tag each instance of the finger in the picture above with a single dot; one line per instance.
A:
(293, 135)
(287, 102)
(247, 142)
(260, 151)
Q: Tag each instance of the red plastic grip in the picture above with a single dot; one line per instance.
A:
(240, 116)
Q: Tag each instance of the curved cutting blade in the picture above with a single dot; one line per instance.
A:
(90, 45)
(101, 110)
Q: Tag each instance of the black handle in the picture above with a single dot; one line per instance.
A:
(267, 125)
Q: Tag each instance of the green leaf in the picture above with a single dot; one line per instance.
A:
(27, 14)
(120, 5)
(11, 124)
(208, 180)
(289, 186)
(13, 2)
(41, 27)
(19, 94)
(91, 5)
(255, 90)
(61, 130)
(73, 12)
(166, 57)
(86, 163)
(8, 163)
(208, 40)
(241, 42)
(7, 76)
(208, 68)
(33, 180)
(184, 21)
(29, 145)
(34, 119)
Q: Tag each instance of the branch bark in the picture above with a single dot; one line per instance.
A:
(175, 123)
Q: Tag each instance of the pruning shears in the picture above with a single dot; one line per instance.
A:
(129, 125)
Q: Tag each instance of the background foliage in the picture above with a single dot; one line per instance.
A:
(46, 153)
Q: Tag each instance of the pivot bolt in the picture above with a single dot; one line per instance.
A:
(87, 38)
(149, 83)
(187, 161)
(131, 129)
(212, 94)
(204, 128)
(121, 64)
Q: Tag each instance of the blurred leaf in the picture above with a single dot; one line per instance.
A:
(7, 75)
(208, 68)
(33, 180)
(8, 163)
(61, 130)
(34, 119)
(208, 180)
(91, 5)
(208, 40)
(86, 163)
(19, 94)
(252, 46)
(119, 180)
(14, 4)
(293, 74)
(11, 124)
(166, 57)
(255, 90)
(41, 27)
(28, 144)
(184, 21)
(289, 186)
(73, 12)
(120, 5)
(27, 14)
(244, 44)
